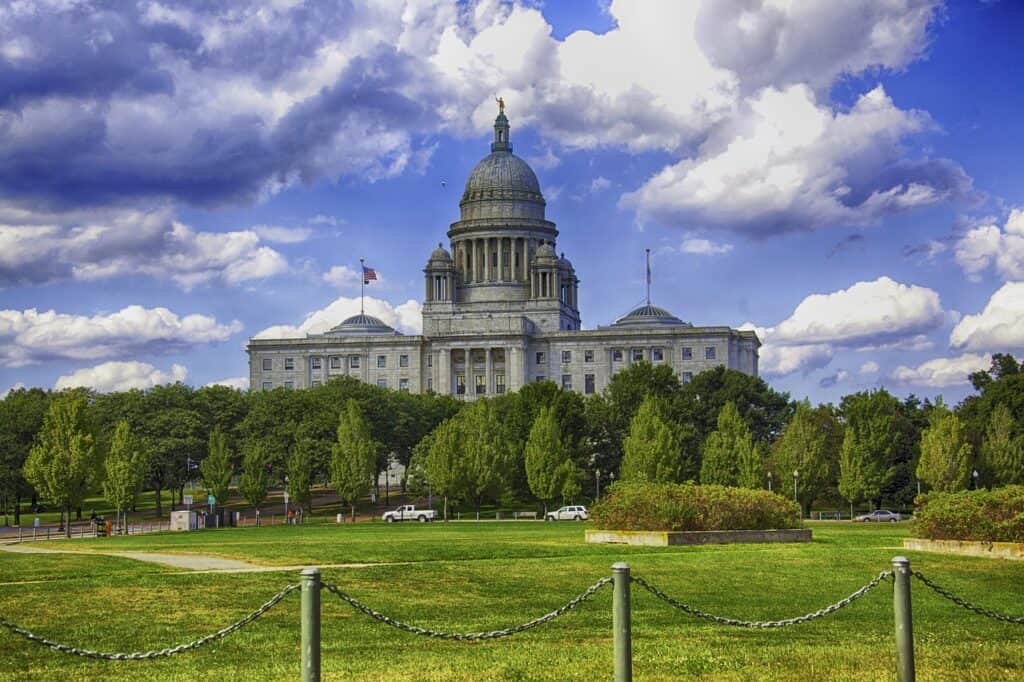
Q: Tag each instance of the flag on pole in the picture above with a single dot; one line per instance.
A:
(369, 274)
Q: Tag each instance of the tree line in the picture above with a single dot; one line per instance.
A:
(538, 444)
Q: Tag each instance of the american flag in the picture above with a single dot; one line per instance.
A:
(368, 274)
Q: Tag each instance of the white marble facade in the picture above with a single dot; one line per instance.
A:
(500, 310)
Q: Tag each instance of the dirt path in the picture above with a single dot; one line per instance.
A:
(190, 562)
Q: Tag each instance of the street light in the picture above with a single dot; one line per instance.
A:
(796, 477)
(769, 481)
(974, 475)
(597, 475)
(387, 484)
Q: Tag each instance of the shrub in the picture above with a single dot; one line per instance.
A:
(689, 507)
(986, 515)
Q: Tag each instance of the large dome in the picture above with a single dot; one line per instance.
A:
(502, 173)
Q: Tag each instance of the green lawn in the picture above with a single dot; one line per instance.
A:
(482, 576)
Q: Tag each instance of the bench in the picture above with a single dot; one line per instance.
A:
(524, 515)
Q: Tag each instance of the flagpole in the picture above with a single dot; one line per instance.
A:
(362, 284)
(648, 276)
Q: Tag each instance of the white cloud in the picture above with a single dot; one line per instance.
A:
(241, 383)
(704, 247)
(599, 184)
(283, 235)
(545, 161)
(28, 336)
(869, 367)
(406, 318)
(999, 327)
(834, 379)
(988, 245)
(783, 360)
(942, 372)
(342, 277)
(121, 376)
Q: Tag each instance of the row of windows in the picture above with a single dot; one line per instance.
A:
(588, 381)
(403, 384)
(480, 383)
(335, 362)
(657, 355)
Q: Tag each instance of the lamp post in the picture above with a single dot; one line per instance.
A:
(796, 477)
(387, 484)
(286, 499)
(974, 475)
(597, 476)
(769, 481)
(919, 486)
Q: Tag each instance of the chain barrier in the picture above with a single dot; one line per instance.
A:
(966, 604)
(468, 636)
(144, 655)
(721, 620)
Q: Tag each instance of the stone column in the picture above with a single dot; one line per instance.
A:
(488, 371)
(472, 260)
(501, 261)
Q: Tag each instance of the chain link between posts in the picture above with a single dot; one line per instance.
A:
(144, 655)
(988, 613)
(722, 620)
(467, 636)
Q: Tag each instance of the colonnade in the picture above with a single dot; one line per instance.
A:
(493, 259)
(460, 370)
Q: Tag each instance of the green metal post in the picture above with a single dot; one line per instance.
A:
(904, 625)
(621, 628)
(310, 580)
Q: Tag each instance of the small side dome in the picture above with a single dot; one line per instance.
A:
(545, 252)
(564, 263)
(440, 255)
(650, 316)
(362, 325)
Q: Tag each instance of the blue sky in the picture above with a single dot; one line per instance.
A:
(175, 179)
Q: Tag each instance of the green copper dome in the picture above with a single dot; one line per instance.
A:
(650, 316)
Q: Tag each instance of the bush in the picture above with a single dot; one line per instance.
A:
(689, 507)
(986, 515)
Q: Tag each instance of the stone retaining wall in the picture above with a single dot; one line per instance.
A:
(992, 550)
(658, 538)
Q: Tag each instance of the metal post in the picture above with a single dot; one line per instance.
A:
(621, 629)
(904, 626)
(310, 579)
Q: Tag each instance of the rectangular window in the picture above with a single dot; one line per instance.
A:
(289, 384)
(316, 363)
(460, 384)
(430, 383)
(656, 355)
(382, 382)
(588, 383)
(709, 353)
(687, 376)
(588, 356)
(382, 361)
(687, 353)
(567, 382)
(616, 355)
(403, 385)
(541, 358)
(638, 355)
(499, 383)
(268, 364)
(566, 356)
(541, 377)
(267, 385)
(335, 362)
(403, 360)
(289, 364)
(353, 361)
(314, 383)
(430, 359)
(481, 384)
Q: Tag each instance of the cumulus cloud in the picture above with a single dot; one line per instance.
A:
(29, 336)
(783, 360)
(834, 379)
(241, 383)
(869, 367)
(342, 277)
(406, 318)
(121, 376)
(942, 372)
(999, 327)
(704, 247)
(987, 245)
(283, 235)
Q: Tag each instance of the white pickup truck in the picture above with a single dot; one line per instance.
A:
(408, 512)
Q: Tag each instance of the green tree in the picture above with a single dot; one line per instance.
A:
(21, 418)
(218, 468)
(869, 444)
(1002, 454)
(945, 454)
(751, 468)
(764, 410)
(545, 457)
(255, 481)
(651, 450)
(726, 447)
(484, 453)
(125, 468)
(572, 481)
(63, 465)
(353, 457)
(442, 463)
(808, 446)
(301, 464)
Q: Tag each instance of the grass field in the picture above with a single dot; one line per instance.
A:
(484, 576)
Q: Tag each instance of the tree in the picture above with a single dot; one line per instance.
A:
(651, 450)
(764, 410)
(255, 481)
(945, 454)
(808, 445)
(21, 418)
(751, 468)
(218, 468)
(442, 461)
(572, 484)
(125, 468)
(1002, 454)
(353, 457)
(869, 443)
(172, 432)
(62, 465)
(484, 452)
(545, 457)
(301, 464)
(726, 448)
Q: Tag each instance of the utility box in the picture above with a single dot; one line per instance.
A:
(183, 520)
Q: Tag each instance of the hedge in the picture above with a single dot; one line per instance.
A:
(690, 507)
(984, 515)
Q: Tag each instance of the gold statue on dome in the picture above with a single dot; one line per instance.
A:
(501, 105)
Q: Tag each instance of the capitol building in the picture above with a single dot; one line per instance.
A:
(500, 310)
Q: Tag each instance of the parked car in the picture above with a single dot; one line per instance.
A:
(571, 513)
(408, 512)
(879, 515)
